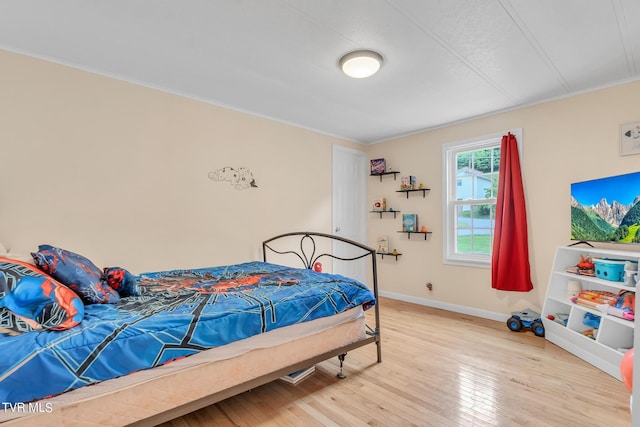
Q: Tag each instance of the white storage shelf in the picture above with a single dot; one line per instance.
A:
(614, 334)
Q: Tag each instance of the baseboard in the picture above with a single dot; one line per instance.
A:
(500, 317)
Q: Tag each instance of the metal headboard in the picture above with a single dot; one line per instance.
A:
(309, 257)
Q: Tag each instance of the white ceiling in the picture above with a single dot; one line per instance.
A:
(445, 60)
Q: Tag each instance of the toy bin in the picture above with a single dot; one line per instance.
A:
(610, 269)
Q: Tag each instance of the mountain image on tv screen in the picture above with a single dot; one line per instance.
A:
(606, 209)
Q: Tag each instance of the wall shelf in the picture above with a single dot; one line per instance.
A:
(382, 254)
(409, 233)
(394, 173)
(424, 191)
(381, 212)
(395, 212)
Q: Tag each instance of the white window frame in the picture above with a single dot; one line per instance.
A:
(449, 184)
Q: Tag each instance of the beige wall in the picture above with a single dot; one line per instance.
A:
(565, 141)
(119, 172)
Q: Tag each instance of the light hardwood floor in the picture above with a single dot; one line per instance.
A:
(439, 369)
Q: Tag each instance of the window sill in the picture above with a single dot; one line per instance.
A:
(467, 262)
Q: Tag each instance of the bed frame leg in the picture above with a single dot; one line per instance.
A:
(341, 374)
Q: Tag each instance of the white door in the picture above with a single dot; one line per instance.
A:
(350, 208)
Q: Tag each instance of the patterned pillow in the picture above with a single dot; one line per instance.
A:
(31, 300)
(76, 272)
(122, 281)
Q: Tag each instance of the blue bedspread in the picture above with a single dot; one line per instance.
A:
(179, 313)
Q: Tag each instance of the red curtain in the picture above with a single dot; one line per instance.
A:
(510, 269)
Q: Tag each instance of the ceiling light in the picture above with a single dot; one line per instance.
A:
(361, 63)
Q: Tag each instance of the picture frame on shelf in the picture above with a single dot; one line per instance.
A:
(379, 205)
(410, 223)
(378, 166)
(382, 244)
(630, 138)
(408, 182)
(404, 182)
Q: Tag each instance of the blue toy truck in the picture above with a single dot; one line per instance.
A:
(526, 319)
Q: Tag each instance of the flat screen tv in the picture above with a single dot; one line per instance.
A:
(606, 209)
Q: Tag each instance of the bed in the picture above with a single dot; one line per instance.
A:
(184, 339)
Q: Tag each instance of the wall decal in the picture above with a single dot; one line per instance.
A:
(240, 178)
(630, 138)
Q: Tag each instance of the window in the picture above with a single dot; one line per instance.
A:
(471, 186)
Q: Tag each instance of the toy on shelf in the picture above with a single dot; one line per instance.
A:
(610, 269)
(586, 265)
(617, 312)
(621, 305)
(594, 298)
(591, 320)
(526, 319)
(560, 318)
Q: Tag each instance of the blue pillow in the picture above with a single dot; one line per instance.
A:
(76, 272)
(31, 300)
